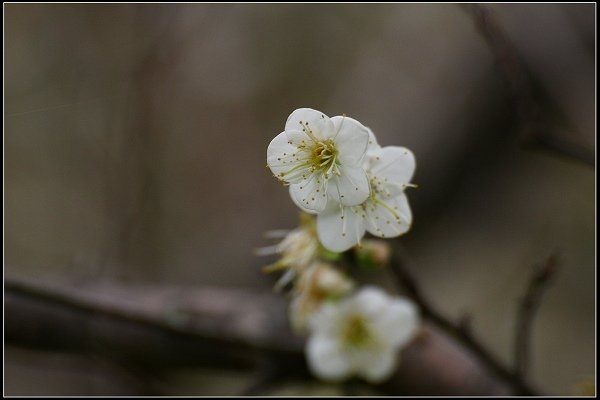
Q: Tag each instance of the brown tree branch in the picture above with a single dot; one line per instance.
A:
(540, 278)
(458, 330)
(268, 378)
(535, 130)
(154, 329)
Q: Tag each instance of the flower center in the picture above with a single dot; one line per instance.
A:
(356, 332)
(323, 157)
(320, 156)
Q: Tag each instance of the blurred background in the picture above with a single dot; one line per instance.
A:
(135, 150)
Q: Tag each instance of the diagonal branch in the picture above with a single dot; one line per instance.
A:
(538, 282)
(458, 330)
(535, 130)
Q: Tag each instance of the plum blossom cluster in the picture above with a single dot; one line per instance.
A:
(345, 184)
(336, 169)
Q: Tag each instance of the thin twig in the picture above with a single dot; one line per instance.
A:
(457, 329)
(534, 128)
(540, 278)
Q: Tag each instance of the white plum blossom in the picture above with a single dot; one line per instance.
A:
(318, 283)
(360, 335)
(385, 213)
(337, 172)
(321, 158)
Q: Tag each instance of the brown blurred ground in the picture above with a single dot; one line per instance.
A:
(135, 149)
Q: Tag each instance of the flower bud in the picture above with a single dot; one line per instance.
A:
(318, 283)
(373, 254)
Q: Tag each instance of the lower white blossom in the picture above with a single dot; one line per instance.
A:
(386, 212)
(360, 335)
(319, 282)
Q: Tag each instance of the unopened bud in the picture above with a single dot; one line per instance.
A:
(373, 254)
(320, 282)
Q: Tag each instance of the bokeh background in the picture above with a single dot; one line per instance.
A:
(135, 145)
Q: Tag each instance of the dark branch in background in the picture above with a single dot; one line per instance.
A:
(154, 329)
(534, 128)
(458, 330)
(269, 377)
(540, 278)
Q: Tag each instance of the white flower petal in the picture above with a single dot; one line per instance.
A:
(339, 228)
(351, 187)
(299, 204)
(370, 301)
(378, 366)
(326, 358)
(297, 137)
(319, 124)
(351, 140)
(279, 155)
(403, 209)
(310, 193)
(371, 157)
(388, 217)
(327, 319)
(398, 322)
(396, 164)
(373, 146)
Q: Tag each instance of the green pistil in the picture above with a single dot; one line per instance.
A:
(295, 168)
(356, 332)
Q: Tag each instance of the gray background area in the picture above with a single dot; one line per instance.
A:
(135, 149)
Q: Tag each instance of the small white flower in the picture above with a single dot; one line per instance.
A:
(321, 158)
(385, 213)
(318, 283)
(360, 335)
